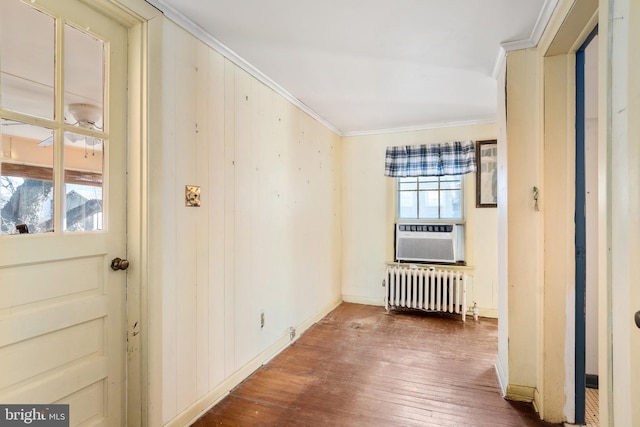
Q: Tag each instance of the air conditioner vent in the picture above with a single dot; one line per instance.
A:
(429, 242)
(428, 228)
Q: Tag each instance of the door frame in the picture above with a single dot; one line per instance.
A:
(135, 16)
(557, 380)
(580, 235)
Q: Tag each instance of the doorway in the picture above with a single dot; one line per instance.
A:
(586, 211)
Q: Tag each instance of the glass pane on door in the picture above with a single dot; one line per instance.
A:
(83, 166)
(26, 178)
(26, 60)
(83, 79)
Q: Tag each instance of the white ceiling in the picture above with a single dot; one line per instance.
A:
(363, 66)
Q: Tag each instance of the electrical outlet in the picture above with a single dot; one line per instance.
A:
(292, 333)
(261, 319)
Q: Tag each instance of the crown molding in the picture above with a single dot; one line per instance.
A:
(419, 127)
(177, 17)
(547, 10)
(186, 23)
(501, 56)
(536, 33)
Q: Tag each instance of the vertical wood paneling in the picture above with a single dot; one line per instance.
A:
(229, 216)
(258, 248)
(169, 312)
(203, 273)
(277, 166)
(243, 298)
(217, 161)
(153, 240)
(264, 235)
(266, 156)
(187, 224)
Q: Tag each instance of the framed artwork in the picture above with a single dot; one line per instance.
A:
(487, 174)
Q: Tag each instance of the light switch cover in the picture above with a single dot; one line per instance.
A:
(192, 196)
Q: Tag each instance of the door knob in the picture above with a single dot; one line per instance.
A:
(119, 264)
(637, 318)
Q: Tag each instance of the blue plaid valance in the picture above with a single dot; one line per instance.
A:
(447, 158)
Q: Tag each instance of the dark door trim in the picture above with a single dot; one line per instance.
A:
(581, 235)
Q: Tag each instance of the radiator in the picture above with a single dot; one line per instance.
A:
(427, 289)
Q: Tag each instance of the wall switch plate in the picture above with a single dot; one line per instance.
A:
(192, 196)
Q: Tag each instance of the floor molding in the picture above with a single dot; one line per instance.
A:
(209, 400)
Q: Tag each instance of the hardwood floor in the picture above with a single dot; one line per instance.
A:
(362, 367)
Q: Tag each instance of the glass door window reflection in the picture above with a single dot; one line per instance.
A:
(53, 130)
(83, 163)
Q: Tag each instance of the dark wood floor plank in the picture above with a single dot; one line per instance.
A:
(360, 366)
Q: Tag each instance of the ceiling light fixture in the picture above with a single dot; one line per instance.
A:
(86, 115)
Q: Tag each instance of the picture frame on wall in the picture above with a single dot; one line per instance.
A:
(487, 174)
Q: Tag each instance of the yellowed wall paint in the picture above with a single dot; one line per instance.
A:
(559, 231)
(266, 237)
(524, 233)
(620, 209)
(540, 254)
(368, 201)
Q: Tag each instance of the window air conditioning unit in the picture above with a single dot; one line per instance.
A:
(430, 243)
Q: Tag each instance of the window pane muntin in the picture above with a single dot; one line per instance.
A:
(94, 97)
(451, 182)
(429, 185)
(428, 207)
(408, 186)
(432, 191)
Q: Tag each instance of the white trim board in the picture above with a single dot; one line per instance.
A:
(536, 33)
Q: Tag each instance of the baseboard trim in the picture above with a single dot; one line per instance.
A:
(488, 312)
(357, 299)
(209, 400)
(520, 393)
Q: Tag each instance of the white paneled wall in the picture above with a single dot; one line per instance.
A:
(266, 237)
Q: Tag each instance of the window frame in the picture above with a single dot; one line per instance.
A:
(398, 193)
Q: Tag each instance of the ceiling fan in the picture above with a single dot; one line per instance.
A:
(86, 116)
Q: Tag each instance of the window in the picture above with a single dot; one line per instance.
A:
(53, 136)
(430, 197)
(26, 197)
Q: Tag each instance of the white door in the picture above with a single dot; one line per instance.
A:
(63, 209)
